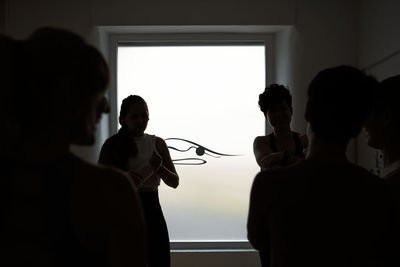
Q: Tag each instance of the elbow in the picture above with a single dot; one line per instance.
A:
(172, 182)
(175, 184)
(253, 241)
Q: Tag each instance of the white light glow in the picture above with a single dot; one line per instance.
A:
(208, 95)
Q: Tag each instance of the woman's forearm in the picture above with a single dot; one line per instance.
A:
(169, 177)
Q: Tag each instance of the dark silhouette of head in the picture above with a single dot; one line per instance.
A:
(387, 97)
(339, 101)
(273, 94)
(126, 147)
(383, 126)
(61, 80)
(126, 104)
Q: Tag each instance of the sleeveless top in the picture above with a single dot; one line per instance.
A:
(47, 239)
(297, 142)
(146, 145)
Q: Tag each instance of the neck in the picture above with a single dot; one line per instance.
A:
(322, 151)
(282, 131)
(137, 134)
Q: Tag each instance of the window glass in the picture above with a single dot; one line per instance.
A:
(203, 102)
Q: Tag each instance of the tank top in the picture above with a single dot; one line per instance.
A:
(297, 142)
(146, 145)
(54, 239)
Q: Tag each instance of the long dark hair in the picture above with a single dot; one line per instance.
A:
(126, 146)
(339, 101)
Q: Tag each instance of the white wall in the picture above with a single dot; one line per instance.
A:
(318, 40)
(379, 23)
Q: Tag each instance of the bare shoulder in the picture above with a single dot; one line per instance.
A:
(161, 145)
(261, 140)
(280, 176)
(106, 214)
(90, 172)
(101, 190)
(261, 143)
(160, 141)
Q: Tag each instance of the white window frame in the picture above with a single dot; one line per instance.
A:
(113, 36)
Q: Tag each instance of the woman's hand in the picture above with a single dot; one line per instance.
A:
(155, 162)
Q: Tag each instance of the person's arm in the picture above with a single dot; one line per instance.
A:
(265, 157)
(110, 221)
(164, 166)
(257, 233)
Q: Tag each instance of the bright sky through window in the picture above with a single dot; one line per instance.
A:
(206, 98)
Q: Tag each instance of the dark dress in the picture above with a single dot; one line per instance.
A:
(114, 153)
(52, 243)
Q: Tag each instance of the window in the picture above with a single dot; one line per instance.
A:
(202, 96)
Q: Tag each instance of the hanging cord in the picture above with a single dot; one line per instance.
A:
(383, 60)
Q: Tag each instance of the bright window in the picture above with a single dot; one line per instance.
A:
(204, 96)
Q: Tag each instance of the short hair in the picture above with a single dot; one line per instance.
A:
(275, 93)
(339, 101)
(59, 75)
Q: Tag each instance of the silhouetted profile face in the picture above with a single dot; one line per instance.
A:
(383, 126)
(279, 114)
(97, 106)
(136, 119)
(65, 81)
(374, 126)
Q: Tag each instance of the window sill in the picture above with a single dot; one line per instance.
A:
(215, 246)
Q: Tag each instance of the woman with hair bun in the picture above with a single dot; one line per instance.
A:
(282, 147)
(56, 209)
(147, 160)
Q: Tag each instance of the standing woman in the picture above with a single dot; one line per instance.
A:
(147, 160)
(283, 147)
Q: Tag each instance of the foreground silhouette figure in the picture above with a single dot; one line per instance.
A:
(383, 131)
(324, 211)
(282, 147)
(147, 160)
(56, 209)
(383, 126)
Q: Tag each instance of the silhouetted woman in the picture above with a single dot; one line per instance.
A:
(147, 160)
(283, 147)
(56, 209)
